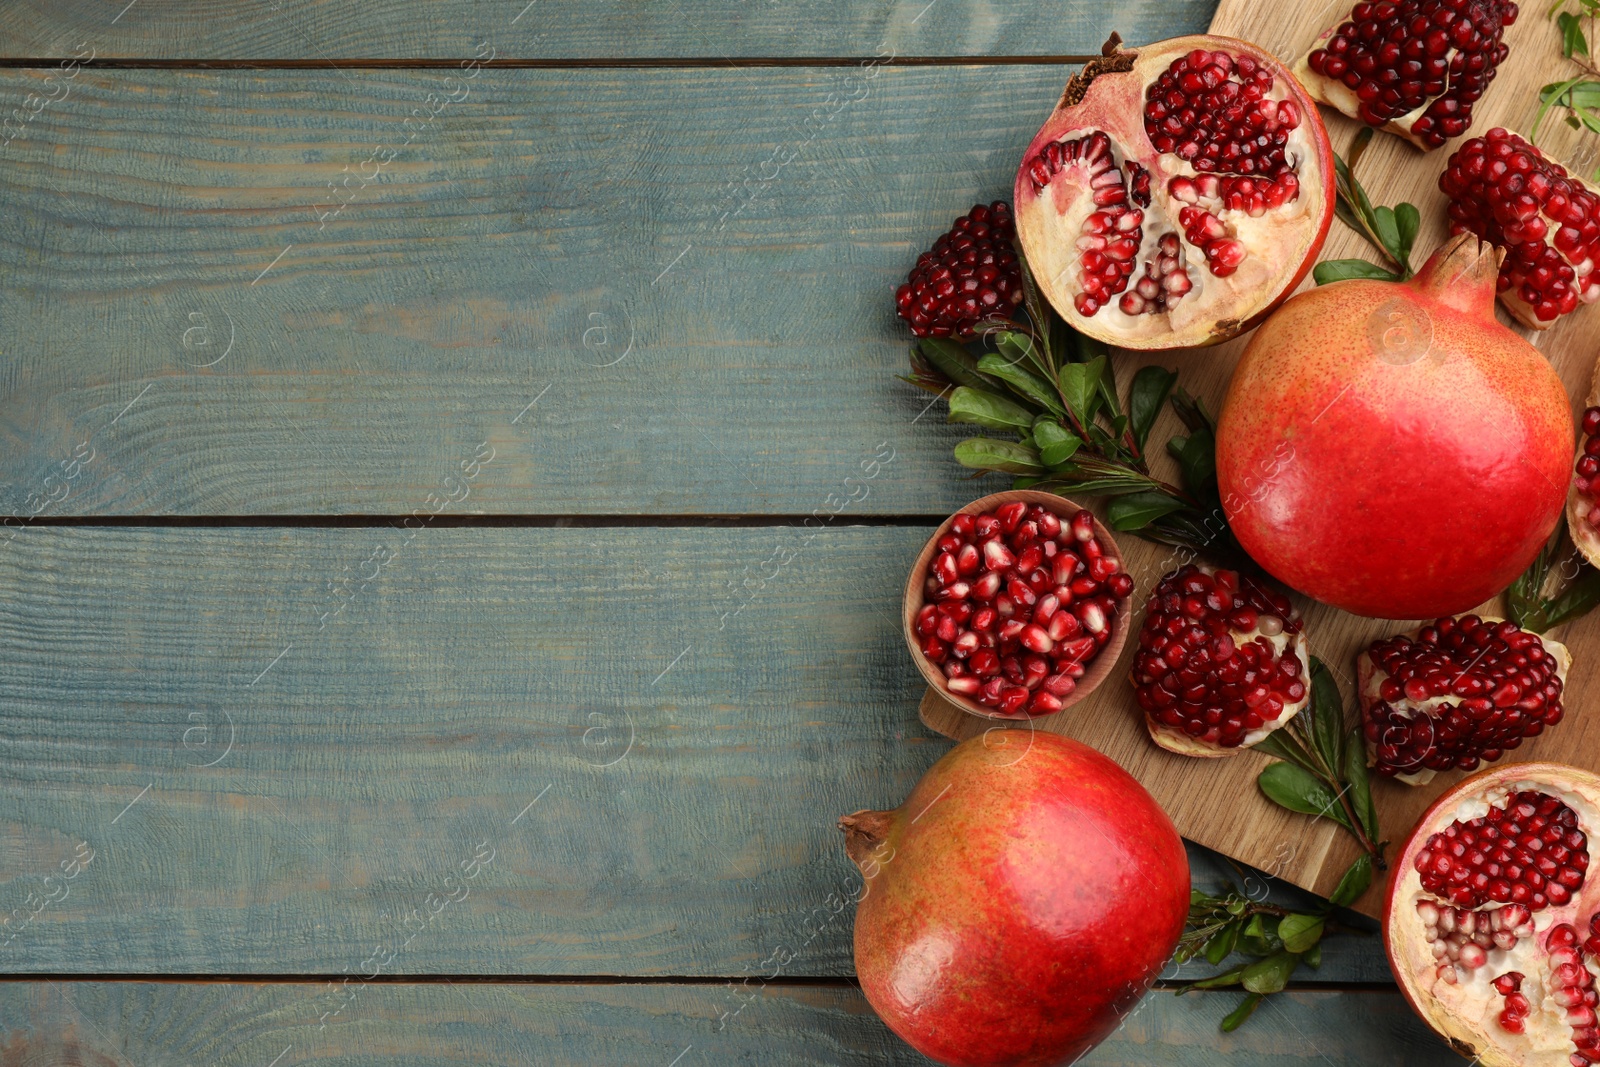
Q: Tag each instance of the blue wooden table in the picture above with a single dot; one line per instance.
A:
(402, 407)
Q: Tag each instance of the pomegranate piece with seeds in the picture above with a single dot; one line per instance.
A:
(1018, 601)
(1222, 662)
(1177, 194)
(1456, 693)
(1503, 190)
(970, 275)
(1583, 499)
(1492, 923)
(1411, 67)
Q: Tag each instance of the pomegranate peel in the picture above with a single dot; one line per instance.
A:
(1222, 662)
(1018, 904)
(1583, 497)
(1390, 448)
(1413, 68)
(1455, 693)
(1176, 194)
(1490, 919)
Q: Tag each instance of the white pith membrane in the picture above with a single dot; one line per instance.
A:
(1581, 506)
(1369, 683)
(1453, 985)
(1270, 627)
(1050, 222)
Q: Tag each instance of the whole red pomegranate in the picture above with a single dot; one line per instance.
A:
(1019, 902)
(1491, 921)
(1177, 193)
(1390, 448)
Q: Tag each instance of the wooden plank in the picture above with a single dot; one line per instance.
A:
(711, 342)
(104, 1023)
(325, 31)
(1248, 827)
(266, 792)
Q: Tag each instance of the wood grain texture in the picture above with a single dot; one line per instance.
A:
(100, 1024)
(1310, 854)
(694, 767)
(326, 31)
(713, 341)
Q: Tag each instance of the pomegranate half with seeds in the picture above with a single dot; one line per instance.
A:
(1411, 67)
(1505, 191)
(1491, 919)
(1018, 904)
(1455, 693)
(1390, 448)
(1177, 194)
(1222, 662)
(1016, 603)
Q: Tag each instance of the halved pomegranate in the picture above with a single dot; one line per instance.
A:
(1491, 920)
(1504, 190)
(1456, 692)
(1411, 67)
(1177, 194)
(1222, 662)
(1583, 498)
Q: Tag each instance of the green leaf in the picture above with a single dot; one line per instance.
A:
(1579, 598)
(953, 361)
(1019, 348)
(1197, 459)
(1080, 382)
(1300, 931)
(1220, 981)
(1327, 718)
(1138, 510)
(1056, 443)
(1146, 397)
(1024, 381)
(980, 408)
(987, 454)
(1343, 270)
(1222, 944)
(1235, 1018)
(1573, 41)
(1355, 882)
(1313, 957)
(1360, 783)
(1383, 222)
(1270, 975)
(1294, 788)
(1282, 744)
(1408, 220)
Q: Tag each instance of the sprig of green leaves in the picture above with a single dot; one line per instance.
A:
(1548, 595)
(1072, 430)
(1323, 768)
(1276, 939)
(1392, 231)
(1578, 96)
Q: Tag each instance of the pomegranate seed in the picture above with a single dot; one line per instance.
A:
(970, 275)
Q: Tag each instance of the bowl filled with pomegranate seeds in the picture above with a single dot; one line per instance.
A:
(1018, 605)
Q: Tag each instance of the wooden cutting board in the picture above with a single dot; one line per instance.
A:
(1216, 802)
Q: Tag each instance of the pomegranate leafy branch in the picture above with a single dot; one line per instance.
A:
(1279, 940)
(1392, 231)
(1323, 766)
(1071, 429)
(1578, 96)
